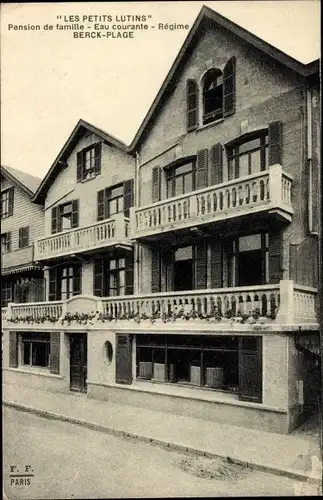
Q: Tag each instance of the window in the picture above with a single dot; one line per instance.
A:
(212, 96)
(7, 203)
(23, 237)
(89, 162)
(36, 349)
(65, 216)
(6, 293)
(181, 179)
(6, 242)
(114, 276)
(108, 352)
(65, 282)
(115, 200)
(248, 157)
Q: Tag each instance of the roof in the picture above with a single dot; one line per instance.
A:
(78, 132)
(28, 183)
(206, 16)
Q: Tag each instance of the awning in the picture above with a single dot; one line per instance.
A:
(20, 269)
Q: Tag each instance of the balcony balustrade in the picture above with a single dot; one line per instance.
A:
(268, 190)
(107, 233)
(284, 303)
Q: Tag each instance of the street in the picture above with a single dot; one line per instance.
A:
(70, 461)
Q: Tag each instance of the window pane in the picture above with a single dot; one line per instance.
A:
(247, 146)
(121, 278)
(182, 169)
(121, 263)
(112, 207)
(115, 192)
(40, 354)
(169, 188)
(67, 221)
(188, 183)
(26, 353)
(251, 242)
(243, 165)
(255, 162)
(112, 264)
(178, 186)
(112, 281)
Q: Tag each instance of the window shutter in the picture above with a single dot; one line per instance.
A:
(98, 286)
(127, 196)
(275, 256)
(201, 265)
(97, 161)
(129, 271)
(229, 87)
(100, 205)
(53, 284)
(275, 136)
(155, 271)
(20, 244)
(156, 179)
(216, 164)
(124, 359)
(27, 236)
(216, 264)
(54, 220)
(10, 201)
(250, 369)
(192, 104)
(75, 213)
(79, 166)
(13, 350)
(77, 280)
(9, 241)
(55, 342)
(202, 169)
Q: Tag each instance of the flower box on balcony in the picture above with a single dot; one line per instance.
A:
(145, 370)
(159, 372)
(214, 377)
(195, 375)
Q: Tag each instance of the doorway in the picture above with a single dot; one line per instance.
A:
(78, 362)
(183, 269)
(250, 268)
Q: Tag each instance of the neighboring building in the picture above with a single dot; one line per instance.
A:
(21, 222)
(204, 301)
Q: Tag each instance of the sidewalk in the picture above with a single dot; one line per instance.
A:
(288, 455)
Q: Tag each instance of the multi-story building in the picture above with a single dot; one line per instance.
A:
(21, 222)
(195, 291)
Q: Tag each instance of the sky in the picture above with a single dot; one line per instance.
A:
(49, 79)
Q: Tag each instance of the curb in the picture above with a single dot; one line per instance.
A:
(291, 473)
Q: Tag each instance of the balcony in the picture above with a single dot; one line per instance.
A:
(16, 259)
(108, 233)
(268, 191)
(279, 306)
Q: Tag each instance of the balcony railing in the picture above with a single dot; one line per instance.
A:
(267, 190)
(281, 304)
(100, 234)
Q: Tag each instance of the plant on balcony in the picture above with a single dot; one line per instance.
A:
(31, 320)
(80, 318)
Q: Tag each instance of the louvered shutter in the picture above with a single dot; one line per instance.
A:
(124, 359)
(275, 139)
(79, 166)
(250, 369)
(229, 87)
(216, 264)
(216, 164)
(100, 205)
(202, 169)
(55, 343)
(54, 292)
(21, 234)
(155, 271)
(75, 213)
(13, 350)
(54, 220)
(11, 201)
(129, 270)
(275, 256)
(192, 104)
(97, 161)
(127, 197)
(98, 278)
(156, 180)
(9, 241)
(77, 280)
(201, 265)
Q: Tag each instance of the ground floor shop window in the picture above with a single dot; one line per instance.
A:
(226, 363)
(36, 349)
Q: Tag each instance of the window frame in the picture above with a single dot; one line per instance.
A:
(23, 237)
(8, 201)
(216, 113)
(109, 198)
(6, 298)
(234, 155)
(171, 176)
(89, 172)
(32, 341)
(7, 242)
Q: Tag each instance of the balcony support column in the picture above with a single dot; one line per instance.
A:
(286, 313)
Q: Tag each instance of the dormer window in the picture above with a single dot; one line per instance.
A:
(212, 96)
(89, 162)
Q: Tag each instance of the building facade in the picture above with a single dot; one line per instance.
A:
(21, 223)
(182, 271)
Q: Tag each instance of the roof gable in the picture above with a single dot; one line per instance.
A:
(206, 17)
(28, 183)
(82, 127)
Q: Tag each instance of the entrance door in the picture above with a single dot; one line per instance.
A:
(78, 362)
(183, 269)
